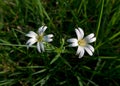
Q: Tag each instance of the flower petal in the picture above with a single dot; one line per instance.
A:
(42, 29)
(79, 36)
(81, 32)
(73, 44)
(82, 51)
(31, 41)
(90, 36)
(79, 50)
(48, 36)
(48, 39)
(38, 47)
(90, 47)
(92, 40)
(42, 47)
(72, 40)
(31, 34)
(88, 51)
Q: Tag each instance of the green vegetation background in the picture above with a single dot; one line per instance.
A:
(59, 66)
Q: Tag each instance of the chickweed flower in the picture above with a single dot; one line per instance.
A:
(39, 38)
(82, 43)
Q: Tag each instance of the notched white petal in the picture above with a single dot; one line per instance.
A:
(90, 36)
(89, 51)
(38, 47)
(42, 29)
(79, 36)
(48, 40)
(31, 41)
(91, 47)
(92, 40)
(81, 32)
(48, 36)
(31, 34)
(79, 50)
(42, 47)
(73, 44)
(81, 53)
(72, 40)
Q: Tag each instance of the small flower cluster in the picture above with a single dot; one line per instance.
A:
(80, 42)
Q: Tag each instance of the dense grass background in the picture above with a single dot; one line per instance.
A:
(59, 66)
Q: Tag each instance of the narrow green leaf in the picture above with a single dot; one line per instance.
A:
(55, 58)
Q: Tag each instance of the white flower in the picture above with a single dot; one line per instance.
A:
(39, 38)
(82, 43)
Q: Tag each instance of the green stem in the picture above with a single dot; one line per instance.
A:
(14, 45)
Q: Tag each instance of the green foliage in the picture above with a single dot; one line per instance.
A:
(59, 66)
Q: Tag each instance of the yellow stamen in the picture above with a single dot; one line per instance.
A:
(39, 38)
(82, 42)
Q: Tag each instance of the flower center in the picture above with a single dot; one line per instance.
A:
(39, 38)
(82, 42)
